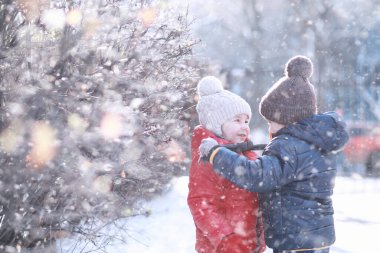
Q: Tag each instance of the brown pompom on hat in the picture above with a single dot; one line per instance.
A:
(292, 98)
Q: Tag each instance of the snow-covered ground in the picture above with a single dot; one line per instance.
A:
(170, 227)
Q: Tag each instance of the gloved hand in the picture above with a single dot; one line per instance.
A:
(206, 146)
(234, 243)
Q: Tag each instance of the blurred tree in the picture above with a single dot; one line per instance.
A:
(253, 40)
(236, 43)
(96, 102)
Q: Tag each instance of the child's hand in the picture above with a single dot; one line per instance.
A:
(206, 146)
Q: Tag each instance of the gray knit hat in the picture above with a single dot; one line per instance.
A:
(292, 98)
(217, 105)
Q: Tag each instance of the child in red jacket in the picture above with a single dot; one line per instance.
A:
(227, 218)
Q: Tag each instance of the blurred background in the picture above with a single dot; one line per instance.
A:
(250, 42)
(97, 99)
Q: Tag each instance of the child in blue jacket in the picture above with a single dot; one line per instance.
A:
(295, 175)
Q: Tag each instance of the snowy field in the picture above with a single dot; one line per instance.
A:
(170, 227)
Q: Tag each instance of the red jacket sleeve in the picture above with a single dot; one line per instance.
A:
(218, 207)
(205, 199)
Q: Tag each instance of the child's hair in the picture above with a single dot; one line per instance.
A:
(292, 98)
(217, 105)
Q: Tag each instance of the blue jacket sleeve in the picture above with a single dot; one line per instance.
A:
(269, 172)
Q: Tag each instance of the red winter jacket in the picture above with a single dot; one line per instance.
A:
(225, 216)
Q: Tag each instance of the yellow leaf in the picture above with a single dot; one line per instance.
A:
(44, 145)
(111, 126)
(147, 16)
(74, 17)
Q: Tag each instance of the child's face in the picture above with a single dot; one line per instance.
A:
(274, 127)
(236, 130)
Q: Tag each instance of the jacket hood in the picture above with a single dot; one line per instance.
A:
(326, 131)
(200, 133)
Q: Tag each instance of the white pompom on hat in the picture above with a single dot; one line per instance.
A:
(217, 105)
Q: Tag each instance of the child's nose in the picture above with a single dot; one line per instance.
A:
(245, 126)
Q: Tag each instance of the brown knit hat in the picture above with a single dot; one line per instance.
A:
(292, 98)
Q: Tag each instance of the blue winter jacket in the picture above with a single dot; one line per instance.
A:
(295, 178)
